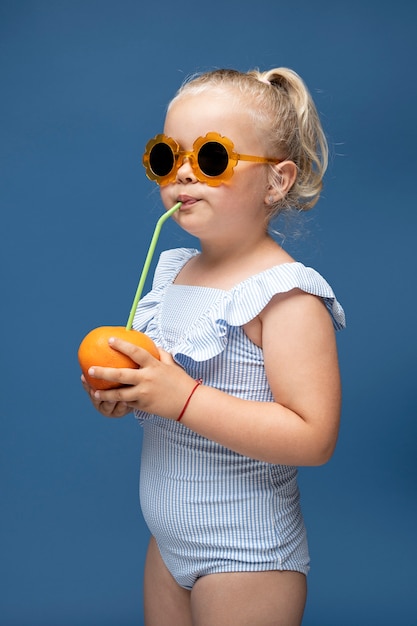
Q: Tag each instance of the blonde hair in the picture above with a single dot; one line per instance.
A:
(280, 103)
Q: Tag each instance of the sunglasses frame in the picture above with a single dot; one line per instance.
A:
(179, 155)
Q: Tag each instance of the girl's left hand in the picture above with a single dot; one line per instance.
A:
(108, 409)
(159, 387)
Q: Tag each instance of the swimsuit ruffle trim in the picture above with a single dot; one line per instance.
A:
(207, 337)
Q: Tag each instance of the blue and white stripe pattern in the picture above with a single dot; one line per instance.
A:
(210, 509)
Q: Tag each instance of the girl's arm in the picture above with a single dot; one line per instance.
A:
(299, 428)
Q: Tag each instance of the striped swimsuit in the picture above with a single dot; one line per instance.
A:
(210, 509)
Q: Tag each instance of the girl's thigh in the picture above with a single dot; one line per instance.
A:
(165, 602)
(249, 599)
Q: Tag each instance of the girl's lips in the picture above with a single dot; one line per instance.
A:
(186, 201)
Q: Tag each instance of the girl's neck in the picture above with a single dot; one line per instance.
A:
(223, 267)
(213, 255)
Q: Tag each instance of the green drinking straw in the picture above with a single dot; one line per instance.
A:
(148, 260)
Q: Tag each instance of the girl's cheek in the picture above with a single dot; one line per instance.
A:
(167, 198)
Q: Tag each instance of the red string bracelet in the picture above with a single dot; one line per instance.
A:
(198, 383)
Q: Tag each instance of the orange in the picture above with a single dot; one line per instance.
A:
(95, 350)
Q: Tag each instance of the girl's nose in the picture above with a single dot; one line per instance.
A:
(185, 172)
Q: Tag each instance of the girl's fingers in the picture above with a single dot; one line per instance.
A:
(124, 395)
(113, 409)
(139, 355)
(117, 375)
(124, 376)
(108, 408)
(165, 357)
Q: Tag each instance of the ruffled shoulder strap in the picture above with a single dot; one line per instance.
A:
(169, 265)
(208, 336)
(252, 295)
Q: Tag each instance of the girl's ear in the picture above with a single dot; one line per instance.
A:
(283, 179)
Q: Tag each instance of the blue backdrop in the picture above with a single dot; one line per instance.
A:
(84, 84)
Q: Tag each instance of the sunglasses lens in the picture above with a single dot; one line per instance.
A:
(213, 158)
(161, 159)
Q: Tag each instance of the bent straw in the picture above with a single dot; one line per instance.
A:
(148, 261)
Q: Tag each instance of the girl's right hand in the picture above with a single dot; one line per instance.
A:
(108, 409)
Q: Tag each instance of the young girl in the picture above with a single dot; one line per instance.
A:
(247, 387)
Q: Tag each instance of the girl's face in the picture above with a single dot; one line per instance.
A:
(236, 206)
